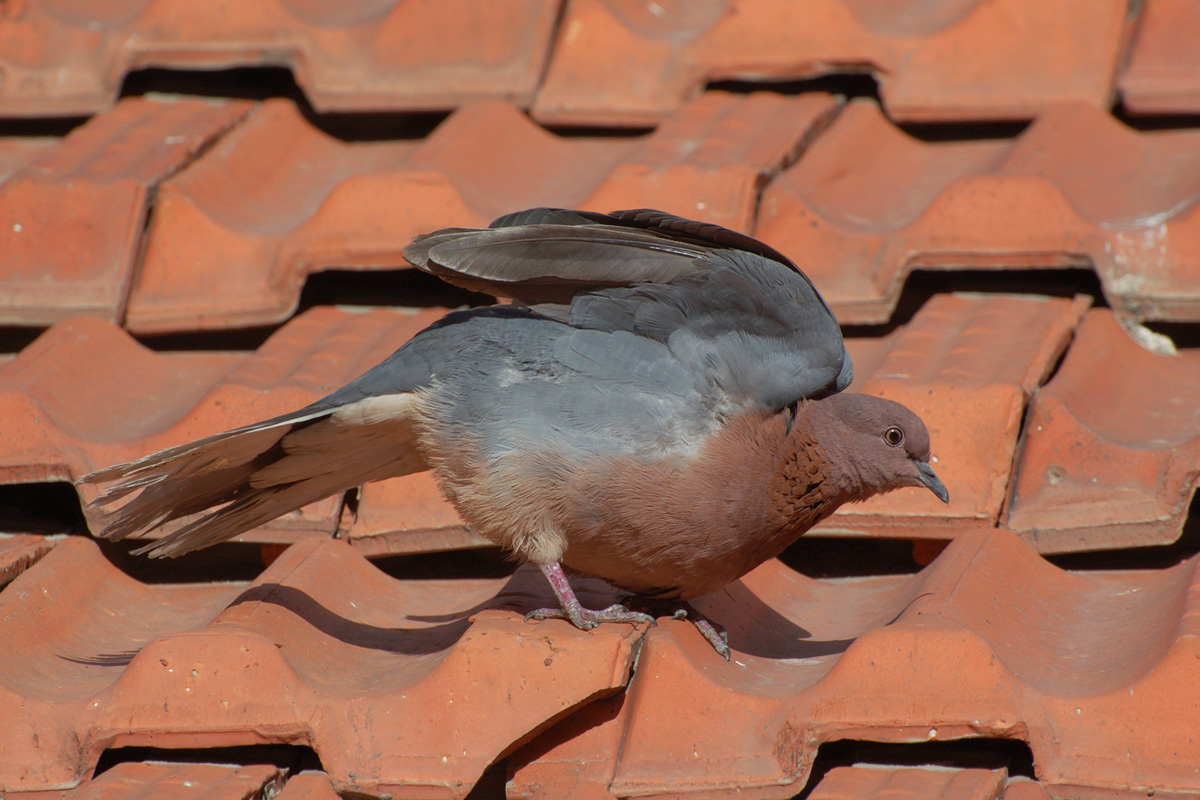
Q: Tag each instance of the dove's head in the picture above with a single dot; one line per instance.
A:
(875, 445)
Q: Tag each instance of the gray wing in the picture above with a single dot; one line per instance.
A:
(761, 335)
(523, 385)
(726, 304)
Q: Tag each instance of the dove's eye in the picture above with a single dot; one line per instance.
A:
(893, 436)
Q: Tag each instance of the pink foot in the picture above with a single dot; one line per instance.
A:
(719, 639)
(583, 618)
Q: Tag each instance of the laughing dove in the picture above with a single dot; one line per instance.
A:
(661, 408)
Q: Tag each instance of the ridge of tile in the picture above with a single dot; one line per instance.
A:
(243, 220)
(1163, 73)
(360, 55)
(18, 552)
(1119, 201)
(72, 211)
(172, 781)
(864, 782)
(139, 401)
(967, 365)
(17, 151)
(73, 621)
(945, 61)
(308, 785)
(322, 649)
(944, 654)
(1111, 451)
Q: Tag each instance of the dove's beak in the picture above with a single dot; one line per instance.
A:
(931, 481)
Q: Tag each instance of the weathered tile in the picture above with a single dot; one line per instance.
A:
(171, 781)
(988, 641)
(862, 782)
(967, 365)
(72, 211)
(867, 204)
(235, 236)
(621, 62)
(18, 552)
(358, 55)
(1163, 74)
(1111, 452)
(390, 682)
(308, 786)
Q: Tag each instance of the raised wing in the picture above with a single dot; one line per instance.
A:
(725, 303)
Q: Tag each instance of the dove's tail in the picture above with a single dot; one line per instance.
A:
(249, 476)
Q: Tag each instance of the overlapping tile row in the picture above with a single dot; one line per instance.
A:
(73, 211)
(1111, 451)
(967, 365)
(62, 58)
(1163, 74)
(172, 782)
(138, 401)
(621, 62)
(235, 235)
(388, 681)
(869, 203)
(1095, 672)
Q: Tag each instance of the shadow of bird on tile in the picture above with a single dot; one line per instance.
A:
(758, 628)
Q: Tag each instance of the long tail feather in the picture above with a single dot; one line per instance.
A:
(251, 475)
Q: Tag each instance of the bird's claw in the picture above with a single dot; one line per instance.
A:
(586, 618)
(718, 638)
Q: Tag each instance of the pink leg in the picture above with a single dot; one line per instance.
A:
(583, 618)
(718, 638)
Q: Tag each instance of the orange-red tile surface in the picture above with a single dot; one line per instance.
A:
(60, 58)
(163, 781)
(867, 204)
(1027, 789)
(308, 786)
(967, 364)
(138, 401)
(1111, 453)
(410, 688)
(893, 783)
(235, 235)
(621, 62)
(72, 212)
(1095, 672)
(18, 552)
(1163, 75)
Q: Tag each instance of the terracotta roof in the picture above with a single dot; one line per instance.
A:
(356, 55)
(159, 260)
(989, 640)
(323, 649)
(868, 203)
(75, 209)
(264, 226)
(1111, 456)
(943, 61)
(1163, 75)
